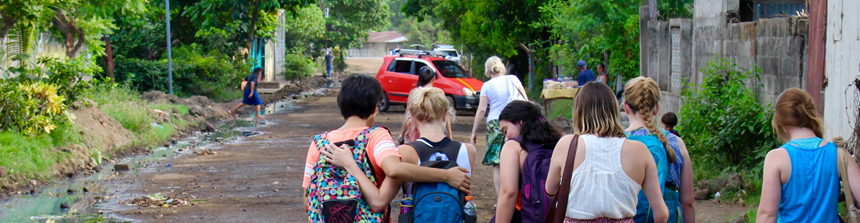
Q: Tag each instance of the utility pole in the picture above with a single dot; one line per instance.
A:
(169, 56)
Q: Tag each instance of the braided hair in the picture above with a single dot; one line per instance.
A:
(642, 95)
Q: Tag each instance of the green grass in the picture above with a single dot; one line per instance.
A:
(35, 157)
(125, 105)
(183, 110)
(227, 95)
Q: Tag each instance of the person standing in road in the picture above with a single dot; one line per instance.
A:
(801, 178)
(602, 73)
(585, 75)
(608, 170)
(329, 59)
(496, 93)
(250, 95)
(674, 167)
(409, 129)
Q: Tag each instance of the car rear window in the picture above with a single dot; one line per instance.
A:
(450, 69)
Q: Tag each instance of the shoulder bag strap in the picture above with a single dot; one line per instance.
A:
(850, 207)
(559, 203)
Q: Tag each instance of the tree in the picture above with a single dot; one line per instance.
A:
(239, 20)
(85, 21)
(14, 12)
(349, 20)
(303, 27)
(588, 28)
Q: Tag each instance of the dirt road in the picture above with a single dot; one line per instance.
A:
(258, 178)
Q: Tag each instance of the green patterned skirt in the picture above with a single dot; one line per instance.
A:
(495, 141)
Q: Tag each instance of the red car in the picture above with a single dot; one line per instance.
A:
(398, 76)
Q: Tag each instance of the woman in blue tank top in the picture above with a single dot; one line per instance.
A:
(801, 178)
(670, 153)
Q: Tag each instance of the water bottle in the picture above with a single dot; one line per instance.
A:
(471, 210)
(406, 205)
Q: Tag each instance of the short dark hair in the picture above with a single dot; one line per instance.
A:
(670, 119)
(425, 75)
(359, 96)
(258, 70)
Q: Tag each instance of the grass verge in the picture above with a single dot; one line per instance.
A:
(35, 157)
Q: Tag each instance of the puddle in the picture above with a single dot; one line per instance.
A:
(73, 200)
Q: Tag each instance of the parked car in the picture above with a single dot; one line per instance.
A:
(398, 76)
(449, 51)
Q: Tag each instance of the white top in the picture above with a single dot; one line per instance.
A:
(599, 187)
(501, 90)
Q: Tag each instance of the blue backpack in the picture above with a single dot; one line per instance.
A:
(671, 196)
(436, 202)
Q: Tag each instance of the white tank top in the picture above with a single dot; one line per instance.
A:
(599, 187)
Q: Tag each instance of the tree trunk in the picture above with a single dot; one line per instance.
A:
(8, 22)
(109, 58)
(70, 30)
(254, 17)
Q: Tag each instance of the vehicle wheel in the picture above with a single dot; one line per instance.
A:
(451, 104)
(452, 109)
(384, 103)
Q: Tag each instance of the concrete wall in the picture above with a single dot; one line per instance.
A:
(842, 66)
(676, 51)
(373, 50)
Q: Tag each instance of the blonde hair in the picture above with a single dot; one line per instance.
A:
(795, 108)
(427, 104)
(495, 66)
(595, 111)
(642, 95)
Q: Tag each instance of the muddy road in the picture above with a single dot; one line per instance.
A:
(256, 178)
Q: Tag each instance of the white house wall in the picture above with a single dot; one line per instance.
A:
(842, 66)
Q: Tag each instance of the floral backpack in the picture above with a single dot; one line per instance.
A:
(334, 195)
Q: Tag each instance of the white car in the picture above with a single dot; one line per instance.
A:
(449, 51)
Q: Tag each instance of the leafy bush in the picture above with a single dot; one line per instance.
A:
(297, 66)
(727, 128)
(31, 108)
(194, 73)
(68, 75)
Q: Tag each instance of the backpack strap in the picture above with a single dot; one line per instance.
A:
(426, 150)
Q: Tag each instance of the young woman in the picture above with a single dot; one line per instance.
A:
(523, 123)
(496, 93)
(608, 170)
(429, 108)
(602, 74)
(251, 96)
(409, 129)
(676, 175)
(801, 179)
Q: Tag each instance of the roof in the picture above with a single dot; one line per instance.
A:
(385, 37)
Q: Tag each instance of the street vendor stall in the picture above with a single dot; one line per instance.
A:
(554, 90)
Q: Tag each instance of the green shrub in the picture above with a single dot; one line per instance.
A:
(727, 129)
(31, 108)
(297, 66)
(195, 72)
(34, 157)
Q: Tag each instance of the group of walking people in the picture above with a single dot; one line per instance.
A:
(605, 172)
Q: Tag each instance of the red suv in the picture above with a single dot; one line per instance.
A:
(398, 76)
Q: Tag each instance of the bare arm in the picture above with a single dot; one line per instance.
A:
(771, 186)
(252, 89)
(377, 198)
(651, 187)
(556, 166)
(510, 175)
(408, 171)
(853, 176)
(473, 154)
(686, 190)
(479, 116)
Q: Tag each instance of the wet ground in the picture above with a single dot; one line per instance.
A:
(248, 171)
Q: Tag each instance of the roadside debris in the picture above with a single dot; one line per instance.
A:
(158, 200)
(205, 152)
